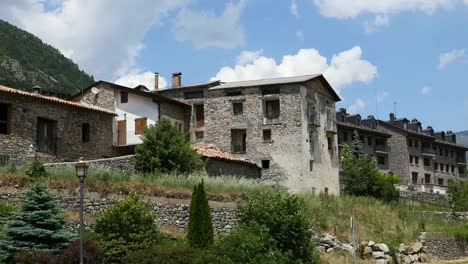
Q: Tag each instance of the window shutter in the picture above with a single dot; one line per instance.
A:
(140, 123)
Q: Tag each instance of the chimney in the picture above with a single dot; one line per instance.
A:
(343, 110)
(36, 89)
(370, 117)
(156, 81)
(414, 120)
(429, 128)
(176, 79)
(450, 132)
(392, 117)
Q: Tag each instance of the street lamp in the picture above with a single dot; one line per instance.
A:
(81, 171)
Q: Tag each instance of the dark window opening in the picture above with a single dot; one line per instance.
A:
(427, 178)
(326, 190)
(410, 142)
(270, 91)
(272, 109)
(436, 166)
(199, 115)
(193, 95)
(345, 136)
(381, 160)
(410, 159)
(123, 97)
(453, 169)
(237, 108)
(451, 154)
(199, 135)
(85, 132)
(311, 165)
(265, 164)
(446, 153)
(416, 143)
(416, 160)
(427, 162)
(414, 177)
(234, 93)
(238, 140)
(441, 167)
(441, 152)
(369, 141)
(461, 170)
(4, 112)
(447, 168)
(266, 135)
(440, 181)
(330, 143)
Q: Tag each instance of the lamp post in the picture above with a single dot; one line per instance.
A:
(81, 171)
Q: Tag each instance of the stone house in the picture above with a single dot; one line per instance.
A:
(285, 125)
(56, 129)
(422, 157)
(136, 108)
(374, 142)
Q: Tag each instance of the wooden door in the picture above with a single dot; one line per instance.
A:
(122, 132)
(46, 136)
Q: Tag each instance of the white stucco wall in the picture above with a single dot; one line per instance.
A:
(136, 107)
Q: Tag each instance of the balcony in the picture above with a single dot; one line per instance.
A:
(314, 119)
(428, 151)
(382, 148)
(330, 126)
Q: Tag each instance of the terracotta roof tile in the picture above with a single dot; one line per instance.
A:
(210, 151)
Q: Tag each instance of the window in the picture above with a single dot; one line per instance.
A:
(4, 112)
(381, 160)
(441, 167)
(447, 167)
(238, 140)
(411, 159)
(193, 95)
(441, 152)
(85, 132)
(311, 165)
(451, 154)
(325, 190)
(272, 109)
(140, 123)
(266, 135)
(440, 181)
(414, 177)
(410, 142)
(265, 164)
(416, 160)
(345, 136)
(461, 170)
(199, 115)
(330, 143)
(453, 169)
(436, 166)
(362, 139)
(427, 162)
(416, 143)
(369, 141)
(446, 152)
(237, 108)
(270, 91)
(199, 135)
(234, 93)
(427, 178)
(123, 97)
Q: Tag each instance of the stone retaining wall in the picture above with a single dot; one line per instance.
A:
(457, 216)
(124, 163)
(425, 197)
(444, 247)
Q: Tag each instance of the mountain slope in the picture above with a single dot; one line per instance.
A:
(462, 137)
(25, 61)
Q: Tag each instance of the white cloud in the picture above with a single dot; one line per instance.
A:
(449, 57)
(357, 106)
(293, 8)
(206, 29)
(344, 68)
(426, 90)
(378, 22)
(300, 35)
(104, 37)
(136, 77)
(248, 56)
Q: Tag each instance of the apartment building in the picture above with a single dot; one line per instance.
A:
(285, 125)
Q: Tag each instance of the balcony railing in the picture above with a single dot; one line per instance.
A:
(330, 126)
(429, 151)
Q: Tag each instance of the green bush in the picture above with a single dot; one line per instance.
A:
(200, 228)
(71, 254)
(165, 149)
(36, 170)
(39, 226)
(162, 255)
(12, 168)
(33, 258)
(458, 191)
(283, 215)
(6, 209)
(126, 226)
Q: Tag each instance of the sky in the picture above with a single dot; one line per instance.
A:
(380, 56)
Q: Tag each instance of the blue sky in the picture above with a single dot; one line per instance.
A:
(374, 53)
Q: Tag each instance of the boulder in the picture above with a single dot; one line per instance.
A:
(380, 261)
(381, 247)
(330, 250)
(371, 243)
(378, 255)
(416, 247)
(406, 260)
(389, 259)
(367, 251)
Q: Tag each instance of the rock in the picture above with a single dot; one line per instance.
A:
(424, 257)
(321, 248)
(416, 247)
(380, 261)
(406, 259)
(330, 250)
(388, 259)
(378, 255)
(367, 251)
(381, 247)
(371, 243)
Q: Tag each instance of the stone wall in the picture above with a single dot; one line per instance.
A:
(425, 197)
(217, 167)
(398, 158)
(105, 98)
(124, 163)
(20, 143)
(444, 247)
(171, 212)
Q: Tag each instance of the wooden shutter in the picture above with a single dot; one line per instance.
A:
(140, 123)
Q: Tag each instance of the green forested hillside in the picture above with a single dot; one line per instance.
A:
(25, 61)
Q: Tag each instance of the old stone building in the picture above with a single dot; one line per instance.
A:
(285, 125)
(374, 142)
(54, 128)
(422, 157)
(136, 108)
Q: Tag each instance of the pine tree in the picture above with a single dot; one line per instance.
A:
(39, 226)
(357, 145)
(200, 228)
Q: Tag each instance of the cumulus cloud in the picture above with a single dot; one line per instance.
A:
(103, 37)
(206, 29)
(357, 106)
(449, 57)
(344, 68)
(137, 77)
(248, 56)
(426, 90)
(293, 8)
(378, 22)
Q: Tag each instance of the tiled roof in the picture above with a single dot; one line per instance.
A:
(362, 128)
(270, 81)
(210, 151)
(54, 99)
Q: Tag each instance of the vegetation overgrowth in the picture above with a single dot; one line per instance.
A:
(200, 229)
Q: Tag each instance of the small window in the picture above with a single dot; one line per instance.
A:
(441, 167)
(199, 135)
(369, 141)
(270, 91)
(447, 168)
(234, 93)
(416, 160)
(140, 123)
(238, 140)
(330, 143)
(453, 169)
(4, 113)
(266, 135)
(414, 177)
(440, 181)
(199, 115)
(123, 97)
(436, 166)
(446, 152)
(272, 109)
(265, 164)
(441, 152)
(416, 143)
(461, 170)
(237, 108)
(427, 162)
(381, 160)
(311, 165)
(193, 95)
(410, 142)
(345, 136)
(427, 178)
(325, 190)
(85, 132)
(411, 159)
(451, 154)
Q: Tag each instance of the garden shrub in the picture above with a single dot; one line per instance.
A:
(126, 226)
(458, 191)
(200, 228)
(71, 254)
(36, 169)
(165, 149)
(162, 255)
(34, 258)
